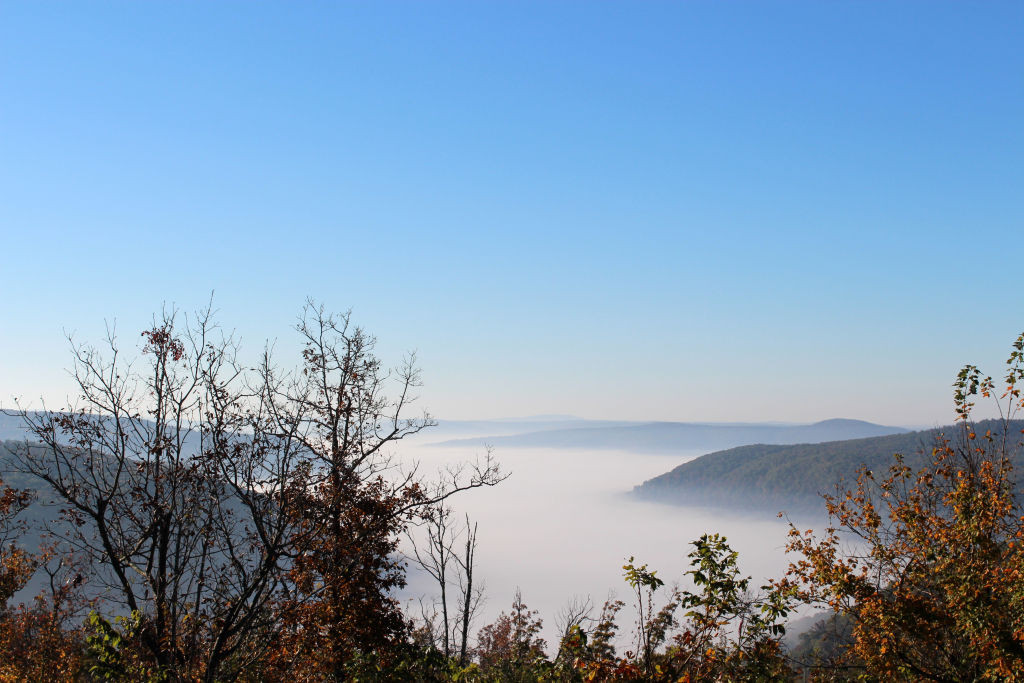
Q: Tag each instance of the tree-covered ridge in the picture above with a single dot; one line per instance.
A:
(794, 477)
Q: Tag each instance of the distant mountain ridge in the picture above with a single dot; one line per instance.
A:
(788, 477)
(678, 437)
(517, 425)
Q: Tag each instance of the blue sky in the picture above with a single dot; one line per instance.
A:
(688, 211)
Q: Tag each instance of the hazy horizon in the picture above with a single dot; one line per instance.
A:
(562, 525)
(673, 211)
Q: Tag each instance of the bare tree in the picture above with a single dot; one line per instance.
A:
(341, 414)
(574, 613)
(435, 557)
(449, 557)
(135, 462)
(470, 592)
(230, 509)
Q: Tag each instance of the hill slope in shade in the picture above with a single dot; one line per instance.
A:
(787, 477)
(677, 437)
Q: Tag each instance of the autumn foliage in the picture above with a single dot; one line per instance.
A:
(221, 522)
(929, 564)
(240, 523)
(38, 640)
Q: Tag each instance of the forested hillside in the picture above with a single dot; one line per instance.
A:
(793, 476)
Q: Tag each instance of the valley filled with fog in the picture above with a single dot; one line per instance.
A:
(561, 526)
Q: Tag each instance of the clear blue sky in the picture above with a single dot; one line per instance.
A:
(685, 210)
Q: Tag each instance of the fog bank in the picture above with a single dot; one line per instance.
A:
(563, 524)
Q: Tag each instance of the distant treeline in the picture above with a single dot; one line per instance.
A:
(794, 477)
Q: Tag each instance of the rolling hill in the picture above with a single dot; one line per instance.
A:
(789, 477)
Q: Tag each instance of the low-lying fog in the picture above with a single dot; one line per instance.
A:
(562, 525)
